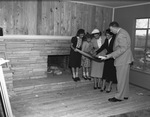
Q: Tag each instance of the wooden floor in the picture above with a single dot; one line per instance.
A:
(80, 101)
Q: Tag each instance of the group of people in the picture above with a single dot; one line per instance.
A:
(114, 66)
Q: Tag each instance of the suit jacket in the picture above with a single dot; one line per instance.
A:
(122, 48)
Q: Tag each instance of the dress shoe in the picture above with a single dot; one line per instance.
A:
(114, 100)
(88, 77)
(103, 89)
(78, 79)
(84, 77)
(126, 98)
(74, 79)
(108, 91)
(99, 87)
(94, 87)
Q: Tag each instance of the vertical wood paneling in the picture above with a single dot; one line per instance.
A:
(93, 12)
(107, 17)
(31, 9)
(62, 15)
(50, 13)
(79, 16)
(73, 19)
(44, 18)
(57, 18)
(39, 17)
(51, 17)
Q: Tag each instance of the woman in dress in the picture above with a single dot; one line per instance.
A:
(109, 73)
(86, 62)
(75, 57)
(97, 67)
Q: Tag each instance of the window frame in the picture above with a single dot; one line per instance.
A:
(143, 70)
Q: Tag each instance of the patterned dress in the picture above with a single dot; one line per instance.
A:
(86, 62)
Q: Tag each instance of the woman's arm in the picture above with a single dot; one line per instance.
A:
(102, 47)
(72, 43)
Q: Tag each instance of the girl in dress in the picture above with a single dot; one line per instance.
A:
(86, 62)
(75, 57)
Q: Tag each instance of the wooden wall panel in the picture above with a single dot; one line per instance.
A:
(51, 17)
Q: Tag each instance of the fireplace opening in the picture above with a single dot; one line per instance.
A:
(56, 64)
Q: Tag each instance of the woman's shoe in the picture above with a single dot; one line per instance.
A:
(108, 91)
(77, 78)
(84, 77)
(74, 79)
(94, 87)
(103, 89)
(88, 77)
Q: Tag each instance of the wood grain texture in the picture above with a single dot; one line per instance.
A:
(78, 101)
(28, 57)
(51, 17)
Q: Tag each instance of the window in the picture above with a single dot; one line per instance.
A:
(142, 45)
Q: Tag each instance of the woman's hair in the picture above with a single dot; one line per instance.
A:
(80, 31)
(108, 32)
(87, 35)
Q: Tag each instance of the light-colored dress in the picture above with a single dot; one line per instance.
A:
(97, 67)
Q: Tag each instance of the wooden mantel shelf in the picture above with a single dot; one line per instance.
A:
(35, 37)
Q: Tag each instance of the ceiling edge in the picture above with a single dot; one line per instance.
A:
(91, 4)
(132, 5)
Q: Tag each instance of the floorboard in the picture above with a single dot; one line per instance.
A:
(79, 101)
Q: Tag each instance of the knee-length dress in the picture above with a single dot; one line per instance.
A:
(75, 57)
(97, 67)
(109, 72)
(85, 61)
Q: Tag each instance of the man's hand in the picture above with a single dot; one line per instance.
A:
(106, 57)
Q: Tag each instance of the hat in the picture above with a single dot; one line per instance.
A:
(95, 31)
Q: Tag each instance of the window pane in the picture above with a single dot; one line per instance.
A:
(140, 39)
(149, 23)
(141, 23)
(147, 65)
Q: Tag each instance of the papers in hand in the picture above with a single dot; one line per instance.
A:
(102, 57)
(2, 61)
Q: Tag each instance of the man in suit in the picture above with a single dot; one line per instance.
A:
(123, 58)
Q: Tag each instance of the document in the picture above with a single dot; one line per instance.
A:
(89, 56)
(102, 57)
